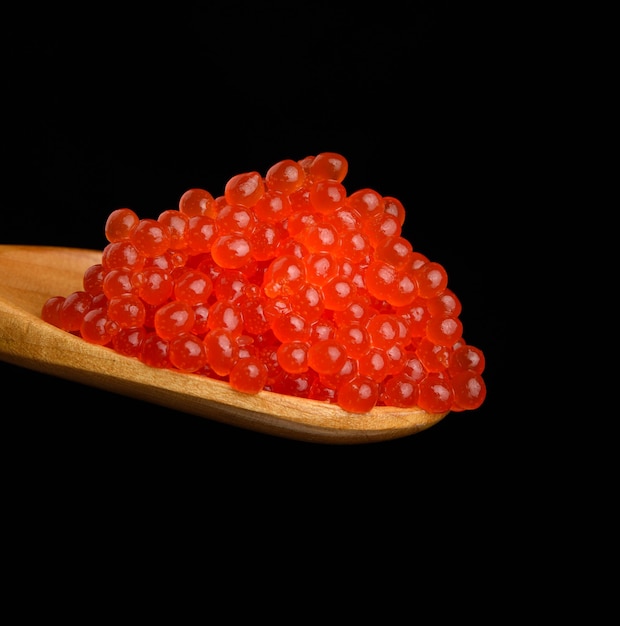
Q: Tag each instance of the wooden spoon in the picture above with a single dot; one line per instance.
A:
(29, 275)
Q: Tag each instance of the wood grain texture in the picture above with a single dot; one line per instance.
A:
(32, 274)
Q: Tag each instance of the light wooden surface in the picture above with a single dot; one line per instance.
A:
(31, 274)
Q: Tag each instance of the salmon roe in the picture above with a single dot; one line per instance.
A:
(284, 282)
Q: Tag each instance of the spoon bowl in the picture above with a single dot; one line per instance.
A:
(32, 274)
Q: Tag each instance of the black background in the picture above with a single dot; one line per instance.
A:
(116, 109)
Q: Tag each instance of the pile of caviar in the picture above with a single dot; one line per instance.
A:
(287, 283)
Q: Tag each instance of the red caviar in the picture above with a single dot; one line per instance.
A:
(285, 282)
(120, 224)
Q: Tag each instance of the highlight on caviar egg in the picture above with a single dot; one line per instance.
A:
(284, 281)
